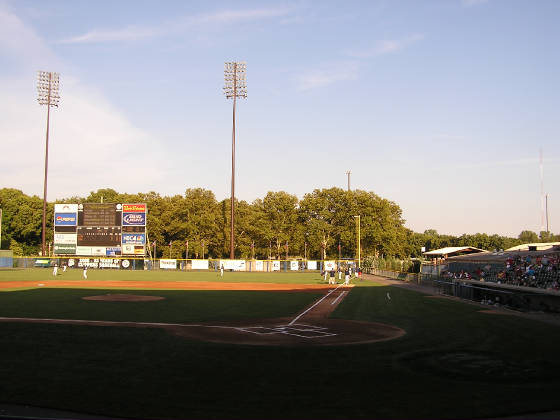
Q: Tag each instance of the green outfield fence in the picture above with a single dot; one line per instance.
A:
(142, 263)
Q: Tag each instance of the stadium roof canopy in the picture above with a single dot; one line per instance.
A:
(451, 251)
(537, 246)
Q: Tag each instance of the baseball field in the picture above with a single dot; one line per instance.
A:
(264, 345)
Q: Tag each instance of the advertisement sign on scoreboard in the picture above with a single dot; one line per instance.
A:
(65, 219)
(134, 238)
(134, 208)
(83, 250)
(127, 249)
(64, 249)
(134, 219)
(65, 208)
(65, 238)
(113, 251)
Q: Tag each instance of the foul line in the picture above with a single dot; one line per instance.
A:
(338, 297)
(315, 304)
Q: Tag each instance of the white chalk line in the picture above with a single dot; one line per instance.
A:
(315, 304)
(338, 297)
(261, 330)
(296, 330)
(292, 328)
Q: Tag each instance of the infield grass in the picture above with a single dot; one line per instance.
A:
(453, 362)
(179, 306)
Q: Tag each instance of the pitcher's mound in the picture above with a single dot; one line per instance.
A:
(123, 298)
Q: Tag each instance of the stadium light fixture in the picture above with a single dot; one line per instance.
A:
(48, 94)
(235, 87)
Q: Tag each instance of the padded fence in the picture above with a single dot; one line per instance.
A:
(135, 263)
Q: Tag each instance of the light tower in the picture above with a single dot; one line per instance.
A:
(235, 87)
(47, 89)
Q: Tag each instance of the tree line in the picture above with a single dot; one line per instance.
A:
(320, 225)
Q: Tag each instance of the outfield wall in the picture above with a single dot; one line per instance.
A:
(6, 258)
(125, 263)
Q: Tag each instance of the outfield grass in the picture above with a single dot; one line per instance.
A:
(45, 274)
(454, 362)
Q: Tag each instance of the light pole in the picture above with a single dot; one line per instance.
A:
(235, 86)
(48, 94)
(348, 173)
(358, 223)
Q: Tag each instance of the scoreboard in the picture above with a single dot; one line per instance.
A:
(94, 214)
(100, 229)
(99, 236)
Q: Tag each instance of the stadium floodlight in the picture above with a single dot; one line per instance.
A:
(235, 87)
(48, 94)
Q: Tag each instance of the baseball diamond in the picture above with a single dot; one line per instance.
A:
(235, 347)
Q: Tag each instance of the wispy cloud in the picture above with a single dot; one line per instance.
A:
(389, 46)
(22, 123)
(327, 75)
(138, 32)
(129, 33)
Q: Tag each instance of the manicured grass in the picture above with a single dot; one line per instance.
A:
(45, 274)
(454, 362)
(178, 306)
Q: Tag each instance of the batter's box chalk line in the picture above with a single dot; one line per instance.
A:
(296, 330)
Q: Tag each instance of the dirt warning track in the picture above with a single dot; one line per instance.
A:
(171, 285)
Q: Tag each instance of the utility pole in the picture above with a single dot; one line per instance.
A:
(546, 207)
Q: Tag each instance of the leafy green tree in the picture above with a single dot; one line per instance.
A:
(528, 236)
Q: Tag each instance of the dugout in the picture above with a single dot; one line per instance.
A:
(493, 294)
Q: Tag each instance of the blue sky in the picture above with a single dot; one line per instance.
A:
(440, 106)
